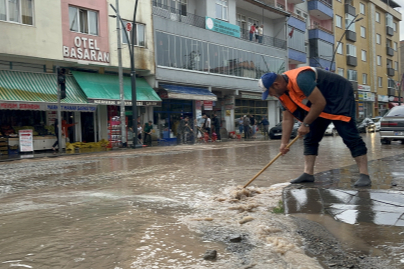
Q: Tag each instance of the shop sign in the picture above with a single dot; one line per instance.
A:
(198, 105)
(365, 88)
(222, 27)
(85, 49)
(229, 102)
(383, 98)
(127, 103)
(26, 140)
(367, 96)
(79, 108)
(208, 105)
(22, 106)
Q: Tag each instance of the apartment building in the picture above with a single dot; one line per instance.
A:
(367, 52)
(207, 61)
(80, 36)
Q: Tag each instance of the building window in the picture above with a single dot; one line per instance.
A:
(378, 17)
(19, 11)
(298, 12)
(389, 63)
(362, 8)
(305, 16)
(363, 32)
(395, 46)
(364, 55)
(341, 72)
(221, 10)
(379, 60)
(340, 48)
(352, 75)
(364, 79)
(380, 82)
(396, 66)
(395, 27)
(83, 20)
(389, 20)
(338, 21)
(378, 38)
(351, 50)
(140, 39)
(348, 19)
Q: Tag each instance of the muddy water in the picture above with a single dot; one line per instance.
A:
(158, 207)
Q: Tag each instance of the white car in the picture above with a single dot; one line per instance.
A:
(377, 123)
(331, 130)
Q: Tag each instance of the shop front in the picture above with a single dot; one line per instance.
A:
(180, 102)
(366, 101)
(383, 104)
(103, 90)
(29, 101)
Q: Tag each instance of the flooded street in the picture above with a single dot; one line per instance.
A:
(163, 207)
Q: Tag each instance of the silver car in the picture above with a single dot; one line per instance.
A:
(392, 126)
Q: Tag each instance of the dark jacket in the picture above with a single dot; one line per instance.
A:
(216, 122)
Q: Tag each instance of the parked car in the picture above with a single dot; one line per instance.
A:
(377, 123)
(331, 130)
(392, 126)
(366, 126)
(276, 131)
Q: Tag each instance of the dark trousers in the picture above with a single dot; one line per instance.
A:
(56, 142)
(347, 130)
(246, 131)
(217, 130)
(147, 140)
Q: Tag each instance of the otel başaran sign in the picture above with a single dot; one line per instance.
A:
(85, 49)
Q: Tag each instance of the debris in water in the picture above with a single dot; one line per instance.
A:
(246, 219)
(203, 219)
(282, 245)
(210, 255)
(250, 266)
(236, 239)
(241, 193)
(244, 208)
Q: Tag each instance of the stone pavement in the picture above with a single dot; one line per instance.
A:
(332, 193)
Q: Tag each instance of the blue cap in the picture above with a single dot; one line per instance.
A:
(265, 82)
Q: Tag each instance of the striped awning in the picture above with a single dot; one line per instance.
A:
(37, 87)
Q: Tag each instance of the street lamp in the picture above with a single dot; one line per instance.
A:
(131, 47)
(336, 48)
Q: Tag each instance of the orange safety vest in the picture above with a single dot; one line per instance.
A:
(296, 96)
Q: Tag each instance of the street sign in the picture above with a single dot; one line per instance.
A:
(128, 26)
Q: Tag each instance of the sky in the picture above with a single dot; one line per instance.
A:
(401, 10)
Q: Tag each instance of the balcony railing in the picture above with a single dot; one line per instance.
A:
(314, 26)
(182, 16)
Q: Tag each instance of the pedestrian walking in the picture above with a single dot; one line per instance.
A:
(207, 124)
(216, 125)
(265, 126)
(246, 126)
(147, 139)
(316, 97)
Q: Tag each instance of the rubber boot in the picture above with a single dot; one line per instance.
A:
(303, 178)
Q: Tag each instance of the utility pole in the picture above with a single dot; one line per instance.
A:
(121, 91)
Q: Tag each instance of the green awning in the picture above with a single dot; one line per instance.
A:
(104, 89)
(37, 87)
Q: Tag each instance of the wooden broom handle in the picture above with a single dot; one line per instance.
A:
(271, 162)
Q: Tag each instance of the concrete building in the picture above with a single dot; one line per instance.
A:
(78, 35)
(368, 52)
(207, 61)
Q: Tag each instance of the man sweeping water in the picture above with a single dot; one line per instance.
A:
(316, 97)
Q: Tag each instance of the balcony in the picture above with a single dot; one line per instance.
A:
(390, 71)
(350, 9)
(354, 85)
(296, 57)
(321, 63)
(350, 35)
(295, 2)
(351, 60)
(321, 10)
(389, 31)
(184, 17)
(317, 31)
(391, 91)
(297, 22)
(390, 51)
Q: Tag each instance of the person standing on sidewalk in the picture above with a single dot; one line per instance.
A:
(207, 124)
(246, 125)
(148, 127)
(316, 97)
(265, 126)
(253, 125)
(216, 125)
